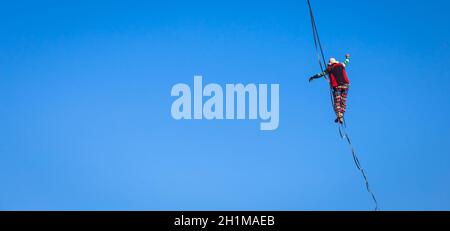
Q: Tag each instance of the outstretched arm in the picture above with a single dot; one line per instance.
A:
(319, 75)
(347, 60)
(322, 74)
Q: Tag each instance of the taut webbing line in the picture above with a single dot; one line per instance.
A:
(345, 136)
(342, 132)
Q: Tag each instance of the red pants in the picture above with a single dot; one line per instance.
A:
(340, 98)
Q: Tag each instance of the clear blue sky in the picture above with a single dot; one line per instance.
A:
(85, 105)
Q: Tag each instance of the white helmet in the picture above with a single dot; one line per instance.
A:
(333, 61)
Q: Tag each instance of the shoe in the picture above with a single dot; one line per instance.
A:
(340, 118)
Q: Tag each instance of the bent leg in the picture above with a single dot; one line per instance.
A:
(337, 95)
(344, 94)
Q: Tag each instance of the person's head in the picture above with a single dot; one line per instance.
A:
(332, 61)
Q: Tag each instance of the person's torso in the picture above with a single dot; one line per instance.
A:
(338, 75)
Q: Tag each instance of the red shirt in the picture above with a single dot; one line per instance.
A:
(338, 76)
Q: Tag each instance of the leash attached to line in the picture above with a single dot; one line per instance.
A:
(342, 131)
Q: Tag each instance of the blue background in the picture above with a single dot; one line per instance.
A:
(85, 105)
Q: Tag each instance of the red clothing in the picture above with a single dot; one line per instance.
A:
(338, 76)
(340, 99)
